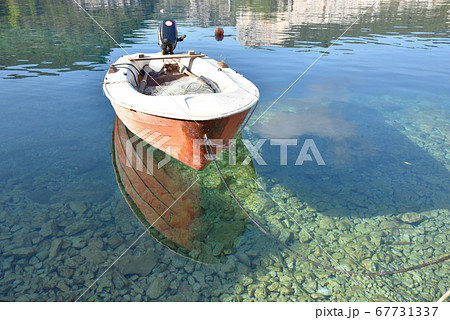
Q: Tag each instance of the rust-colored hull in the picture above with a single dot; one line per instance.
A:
(183, 139)
(154, 195)
(172, 201)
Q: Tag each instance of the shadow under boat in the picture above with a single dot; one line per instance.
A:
(371, 167)
(202, 223)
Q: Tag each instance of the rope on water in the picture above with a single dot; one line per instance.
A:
(445, 296)
(210, 152)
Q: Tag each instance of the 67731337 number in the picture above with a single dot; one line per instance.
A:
(406, 311)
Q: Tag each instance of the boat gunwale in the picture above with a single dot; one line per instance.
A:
(146, 99)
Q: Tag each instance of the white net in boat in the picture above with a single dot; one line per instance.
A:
(181, 86)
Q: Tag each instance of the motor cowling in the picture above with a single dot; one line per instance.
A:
(168, 36)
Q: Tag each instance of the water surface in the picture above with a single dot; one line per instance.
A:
(376, 106)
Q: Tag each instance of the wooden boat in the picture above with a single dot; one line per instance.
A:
(168, 202)
(139, 88)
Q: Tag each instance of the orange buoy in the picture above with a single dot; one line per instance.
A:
(218, 34)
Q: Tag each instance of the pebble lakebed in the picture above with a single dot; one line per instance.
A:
(55, 252)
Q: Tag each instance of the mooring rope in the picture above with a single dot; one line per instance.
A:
(445, 296)
(212, 156)
(236, 136)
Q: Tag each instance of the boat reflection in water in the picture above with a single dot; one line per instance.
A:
(204, 224)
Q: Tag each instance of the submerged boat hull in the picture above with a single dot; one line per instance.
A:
(183, 140)
(174, 204)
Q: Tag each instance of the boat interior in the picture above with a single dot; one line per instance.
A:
(170, 72)
(166, 75)
(200, 87)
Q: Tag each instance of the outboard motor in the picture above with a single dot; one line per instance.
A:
(168, 36)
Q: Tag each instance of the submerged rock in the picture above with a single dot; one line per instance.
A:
(21, 252)
(363, 228)
(119, 281)
(229, 266)
(104, 282)
(211, 181)
(343, 225)
(65, 272)
(75, 228)
(257, 203)
(78, 243)
(381, 298)
(48, 229)
(62, 286)
(178, 262)
(324, 291)
(185, 291)
(79, 207)
(286, 290)
(310, 286)
(189, 266)
(218, 248)
(93, 254)
(41, 196)
(157, 288)
(239, 288)
(279, 192)
(327, 223)
(260, 294)
(5, 236)
(54, 247)
(200, 277)
(274, 287)
(115, 241)
(411, 217)
(244, 258)
(285, 235)
(141, 265)
(246, 281)
(304, 236)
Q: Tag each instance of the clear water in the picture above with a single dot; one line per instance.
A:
(376, 106)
